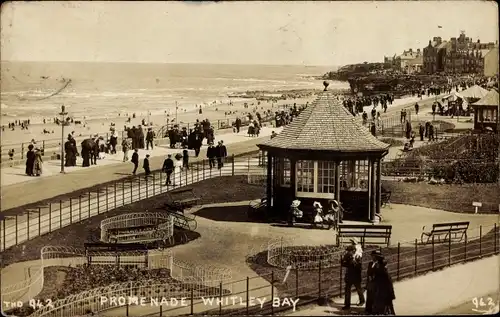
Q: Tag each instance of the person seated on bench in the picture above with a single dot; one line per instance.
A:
(318, 218)
(295, 212)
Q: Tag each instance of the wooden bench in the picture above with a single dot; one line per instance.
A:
(181, 199)
(442, 232)
(372, 234)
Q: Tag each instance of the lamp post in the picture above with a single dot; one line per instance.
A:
(63, 115)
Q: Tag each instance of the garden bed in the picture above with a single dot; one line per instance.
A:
(450, 197)
(216, 190)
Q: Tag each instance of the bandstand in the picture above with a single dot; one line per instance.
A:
(325, 153)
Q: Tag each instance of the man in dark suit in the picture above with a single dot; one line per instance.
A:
(221, 153)
(146, 166)
(352, 277)
(150, 136)
(168, 168)
(135, 160)
(211, 154)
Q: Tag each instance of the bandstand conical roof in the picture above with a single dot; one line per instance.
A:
(326, 125)
(491, 99)
(474, 92)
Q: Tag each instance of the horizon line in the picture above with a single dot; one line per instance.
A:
(172, 63)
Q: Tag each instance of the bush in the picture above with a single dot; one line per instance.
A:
(392, 141)
(466, 171)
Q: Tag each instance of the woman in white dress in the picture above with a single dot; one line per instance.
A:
(318, 218)
(295, 212)
(177, 175)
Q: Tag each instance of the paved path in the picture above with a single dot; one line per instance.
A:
(432, 293)
(35, 189)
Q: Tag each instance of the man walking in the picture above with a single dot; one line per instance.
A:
(145, 166)
(352, 261)
(221, 153)
(150, 135)
(135, 160)
(421, 131)
(125, 149)
(168, 168)
(211, 154)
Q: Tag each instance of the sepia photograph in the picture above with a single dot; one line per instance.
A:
(291, 158)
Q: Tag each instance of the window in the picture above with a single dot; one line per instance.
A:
(326, 177)
(305, 176)
(282, 171)
(489, 115)
(354, 175)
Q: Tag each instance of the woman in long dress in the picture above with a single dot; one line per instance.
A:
(318, 218)
(382, 289)
(37, 167)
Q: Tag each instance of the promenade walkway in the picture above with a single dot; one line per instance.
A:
(53, 184)
(430, 294)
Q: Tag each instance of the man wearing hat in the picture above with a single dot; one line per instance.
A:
(146, 166)
(352, 261)
(168, 168)
(380, 290)
(150, 136)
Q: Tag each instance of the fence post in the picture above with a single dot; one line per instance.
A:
(340, 279)
(465, 246)
(131, 192)
(399, 254)
(480, 241)
(161, 310)
(296, 282)
(79, 208)
(70, 210)
(60, 214)
(416, 254)
(114, 191)
(272, 292)
(161, 181)
(16, 229)
(123, 193)
(154, 182)
(449, 249)
(127, 310)
(248, 290)
(495, 236)
(232, 164)
(433, 252)
(319, 280)
(192, 301)
(89, 204)
(50, 217)
(28, 225)
(220, 297)
(147, 187)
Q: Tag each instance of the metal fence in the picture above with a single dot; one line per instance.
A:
(310, 283)
(18, 226)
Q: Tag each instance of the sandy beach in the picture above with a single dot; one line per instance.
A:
(185, 116)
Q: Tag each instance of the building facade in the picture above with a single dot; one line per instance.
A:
(459, 56)
(409, 62)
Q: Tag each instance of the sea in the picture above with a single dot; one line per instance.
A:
(36, 90)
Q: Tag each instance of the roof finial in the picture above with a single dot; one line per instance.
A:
(325, 83)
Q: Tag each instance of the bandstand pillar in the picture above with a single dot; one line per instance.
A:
(373, 195)
(337, 181)
(269, 180)
(293, 177)
(370, 189)
(378, 187)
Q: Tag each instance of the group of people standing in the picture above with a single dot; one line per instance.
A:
(379, 287)
(332, 217)
(34, 161)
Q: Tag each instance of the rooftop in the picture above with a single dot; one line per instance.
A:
(326, 125)
(491, 99)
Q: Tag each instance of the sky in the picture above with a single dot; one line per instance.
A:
(272, 33)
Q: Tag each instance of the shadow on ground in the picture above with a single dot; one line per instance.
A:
(227, 213)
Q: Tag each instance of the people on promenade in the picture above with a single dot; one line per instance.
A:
(37, 166)
(125, 149)
(211, 154)
(421, 131)
(416, 108)
(178, 168)
(380, 289)
(150, 136)
(168, 168)
(220, 153)
(185, 159)
(140, 137)
(71, 151)
(146, 166)
(30, 160)
(135, 160)
(352, 261)
(113, 141)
